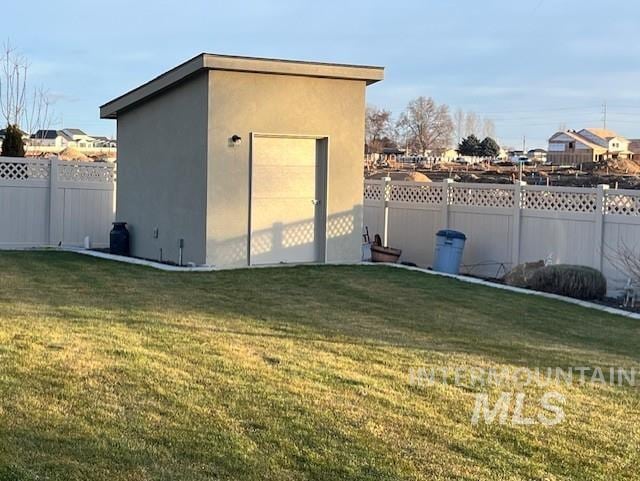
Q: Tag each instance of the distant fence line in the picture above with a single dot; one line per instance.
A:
(53, 149)
(507, 224)
(48, 202)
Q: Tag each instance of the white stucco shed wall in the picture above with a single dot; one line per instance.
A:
(162, 182)
(243, 103)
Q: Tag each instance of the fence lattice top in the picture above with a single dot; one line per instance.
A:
(86, 173)
(20, 170)
(24, 170)
(482, 196)
(622, 203)
(416, 193)
(372, 191)
(556, 199)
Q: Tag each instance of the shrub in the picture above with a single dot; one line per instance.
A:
(520, 275)
(580, 282)
(12, 145)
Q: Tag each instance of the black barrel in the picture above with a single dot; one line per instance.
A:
(119, 239)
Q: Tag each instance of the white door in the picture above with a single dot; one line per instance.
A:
(284, 202)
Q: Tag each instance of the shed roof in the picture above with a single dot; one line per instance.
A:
(207, 61)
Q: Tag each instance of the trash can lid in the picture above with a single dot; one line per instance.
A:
(451, 234)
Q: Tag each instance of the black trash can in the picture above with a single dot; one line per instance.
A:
(119, 239)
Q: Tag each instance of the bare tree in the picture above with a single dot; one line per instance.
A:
(377, 127)
(472, 125)
(459, 122)
(39, 112)
(626, 259)
(20, 105)
(426, 125)
(488, 128)
(13, 84)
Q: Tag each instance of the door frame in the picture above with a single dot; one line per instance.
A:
(322, 189)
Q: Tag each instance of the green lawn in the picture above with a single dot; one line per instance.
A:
(118, 372)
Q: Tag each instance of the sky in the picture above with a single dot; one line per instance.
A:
(530, 65)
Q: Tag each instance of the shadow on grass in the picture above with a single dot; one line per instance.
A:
(364, 305)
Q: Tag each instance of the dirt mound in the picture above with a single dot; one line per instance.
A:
(417, 177)
(72, 154)
(400, 175)
(622, 166)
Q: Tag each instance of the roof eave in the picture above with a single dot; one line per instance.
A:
(368, 74)
(161, 82)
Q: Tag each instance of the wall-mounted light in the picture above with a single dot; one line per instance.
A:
(236, 139)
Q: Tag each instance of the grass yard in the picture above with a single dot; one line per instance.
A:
(118, 372)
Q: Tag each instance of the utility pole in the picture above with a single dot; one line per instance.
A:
(524, 143)
(604, 115)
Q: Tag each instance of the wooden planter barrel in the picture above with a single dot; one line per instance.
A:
(384, 254)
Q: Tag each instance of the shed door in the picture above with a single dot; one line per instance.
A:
(284, 200)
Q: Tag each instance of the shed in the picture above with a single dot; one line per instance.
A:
(243, 161)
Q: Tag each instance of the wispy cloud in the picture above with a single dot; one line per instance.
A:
(490, 56)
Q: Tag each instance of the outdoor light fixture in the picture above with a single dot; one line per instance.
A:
(236, 139)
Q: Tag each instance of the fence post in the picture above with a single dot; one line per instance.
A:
(598, 251)
(54, 213)
(444, 208)
(386, 191)
(517, 214)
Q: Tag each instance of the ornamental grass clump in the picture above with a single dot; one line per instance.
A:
(580, 282)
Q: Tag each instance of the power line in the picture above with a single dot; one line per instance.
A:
(541, 110)
(542, 120)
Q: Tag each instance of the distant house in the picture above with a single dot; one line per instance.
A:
(392, 154)
(587, 145)
(61, 138)
(56, 140)
(537, 155)
(448, 155)
(48, 138)
(105, 142)
(615, 144)
(77, 138)
(517, 156)
(634, 147)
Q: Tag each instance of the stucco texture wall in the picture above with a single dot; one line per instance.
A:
(162, 179)
(241, 103)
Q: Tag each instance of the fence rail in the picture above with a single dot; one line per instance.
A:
(48, 202)
(507, 224)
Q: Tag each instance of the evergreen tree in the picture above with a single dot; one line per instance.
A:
(12, 145)
(489, 148)
(470, 146)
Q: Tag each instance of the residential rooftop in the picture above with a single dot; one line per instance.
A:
(602, 133)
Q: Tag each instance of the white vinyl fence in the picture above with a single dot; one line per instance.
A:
(507, 224)
(48, 202)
